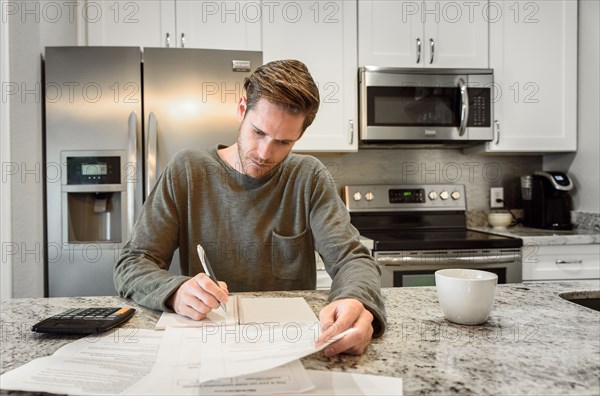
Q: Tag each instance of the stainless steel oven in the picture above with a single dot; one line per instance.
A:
(415, 230)
(398, 105)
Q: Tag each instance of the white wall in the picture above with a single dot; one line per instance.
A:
(31, 27)
(584, 165)
(5, 201)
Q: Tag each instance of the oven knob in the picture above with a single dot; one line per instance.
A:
(455, 195)
(432, 195)
(369, 196)
(357, 196)
(444, 195)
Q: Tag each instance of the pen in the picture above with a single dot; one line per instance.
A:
(208, 269)
(335, 338)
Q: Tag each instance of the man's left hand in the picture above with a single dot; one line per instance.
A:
(341, 315)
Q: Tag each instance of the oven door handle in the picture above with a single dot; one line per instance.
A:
(402, 260)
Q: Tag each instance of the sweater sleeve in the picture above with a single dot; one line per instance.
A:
(141, 273)
(354, 272)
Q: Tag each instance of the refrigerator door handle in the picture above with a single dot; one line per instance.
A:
(151, 159)
(132, 171)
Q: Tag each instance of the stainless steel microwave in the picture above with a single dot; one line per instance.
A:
(399, 105)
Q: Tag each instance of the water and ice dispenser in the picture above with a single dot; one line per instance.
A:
(93, 197)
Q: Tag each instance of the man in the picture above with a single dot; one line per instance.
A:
(260, 213)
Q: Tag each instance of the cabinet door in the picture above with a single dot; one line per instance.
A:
(219, 24)
(322, 34)
(129, 23)
(390, 33)
(564, 262)
(533, 51)
(456, 34)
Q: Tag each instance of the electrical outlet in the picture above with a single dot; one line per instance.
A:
(496, 197)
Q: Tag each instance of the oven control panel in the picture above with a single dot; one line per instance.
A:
(386, 197)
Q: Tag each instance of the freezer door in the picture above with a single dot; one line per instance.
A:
(190, 99)
(93, 103)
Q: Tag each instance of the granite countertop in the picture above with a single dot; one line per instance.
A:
(534, 342)
(545, 237)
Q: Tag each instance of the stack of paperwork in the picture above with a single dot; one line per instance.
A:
(254, 348)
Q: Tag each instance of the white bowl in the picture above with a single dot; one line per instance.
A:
(499, 220)
(466, 295)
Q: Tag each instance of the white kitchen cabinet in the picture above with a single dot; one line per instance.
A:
(175, 23)
(129, 23)
(533, 51)
(557, 262)
(322, 34)
(227, 24)
(429, 33)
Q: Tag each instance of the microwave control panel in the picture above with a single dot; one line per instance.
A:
(479, 107)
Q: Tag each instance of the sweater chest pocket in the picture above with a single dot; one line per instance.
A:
(292, 256)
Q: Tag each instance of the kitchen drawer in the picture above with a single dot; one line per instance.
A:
(557, 262)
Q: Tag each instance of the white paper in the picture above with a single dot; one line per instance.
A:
(244, 310)
(123, 362)
(216, 316)
(106, 364)
(289, 378)
(337, 383)
(282, 310)
(197, 355)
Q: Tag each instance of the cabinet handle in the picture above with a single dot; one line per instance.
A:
(168, 40)
(569, 261)
(432, 46)
(418, 50)
(351, 131)
(497, 131)
(182, 40)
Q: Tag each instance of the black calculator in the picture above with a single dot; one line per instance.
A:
(84, 320)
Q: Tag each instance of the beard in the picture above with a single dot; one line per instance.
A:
(252, 165)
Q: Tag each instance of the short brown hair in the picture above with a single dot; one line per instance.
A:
(286, 83)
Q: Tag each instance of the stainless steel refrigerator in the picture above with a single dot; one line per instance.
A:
(114, 116)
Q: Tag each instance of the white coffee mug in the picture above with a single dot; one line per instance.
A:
(466, 295)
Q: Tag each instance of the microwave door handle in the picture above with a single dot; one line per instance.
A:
(151, 156)
(464, 112)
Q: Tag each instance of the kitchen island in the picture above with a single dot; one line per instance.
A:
(534, 342)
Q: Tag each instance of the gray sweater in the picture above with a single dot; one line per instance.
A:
(259, 234)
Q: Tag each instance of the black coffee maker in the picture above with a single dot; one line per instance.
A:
(546, 200)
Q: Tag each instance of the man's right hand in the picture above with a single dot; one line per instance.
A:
(197, 297)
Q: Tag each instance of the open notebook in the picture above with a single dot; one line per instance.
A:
(245, 310)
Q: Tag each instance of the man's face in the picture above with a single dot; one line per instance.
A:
(266, 136)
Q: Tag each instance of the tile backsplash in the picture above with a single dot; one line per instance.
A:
(586, 221)
(448, 166)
